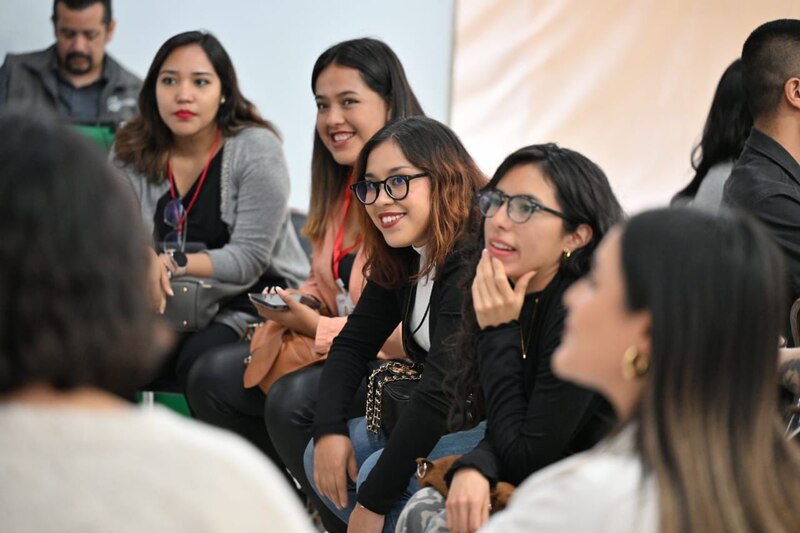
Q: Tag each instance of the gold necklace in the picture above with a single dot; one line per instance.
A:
(522, 344)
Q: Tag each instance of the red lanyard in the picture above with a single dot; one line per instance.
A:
(338, 253)
(172, 188)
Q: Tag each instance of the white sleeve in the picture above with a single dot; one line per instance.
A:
(600, 493)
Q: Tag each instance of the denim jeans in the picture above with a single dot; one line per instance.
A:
(368, 448)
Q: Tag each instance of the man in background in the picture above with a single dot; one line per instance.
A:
(766, 178)
(75, 77)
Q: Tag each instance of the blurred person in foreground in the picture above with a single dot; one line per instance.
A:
(78, 334)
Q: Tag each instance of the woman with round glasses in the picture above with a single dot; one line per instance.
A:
(207, 169)
(546, 209)
(418, 184)
(358, 85)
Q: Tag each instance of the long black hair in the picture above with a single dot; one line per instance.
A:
(727, 127)
(144, 141)
(381, 71)
(585, 197)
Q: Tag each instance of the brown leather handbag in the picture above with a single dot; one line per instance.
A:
(275, 351)
(432, 474)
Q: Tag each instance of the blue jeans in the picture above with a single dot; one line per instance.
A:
(368, 448)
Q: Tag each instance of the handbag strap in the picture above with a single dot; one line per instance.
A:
(388, 372)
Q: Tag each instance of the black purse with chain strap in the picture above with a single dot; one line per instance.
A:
(390, 386)
(389, 389)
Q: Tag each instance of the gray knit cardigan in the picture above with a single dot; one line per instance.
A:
(254, 206)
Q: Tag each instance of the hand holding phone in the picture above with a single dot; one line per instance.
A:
(274, 302)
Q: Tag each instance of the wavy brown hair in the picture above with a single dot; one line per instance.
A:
(144, 142)
(382, 72)
(455, 179)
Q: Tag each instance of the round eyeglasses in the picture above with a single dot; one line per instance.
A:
(520, 207)
(395, 186)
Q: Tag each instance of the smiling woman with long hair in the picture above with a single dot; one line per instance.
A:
(358, 86)
(417, 184)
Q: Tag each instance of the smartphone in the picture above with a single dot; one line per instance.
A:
(273, 302)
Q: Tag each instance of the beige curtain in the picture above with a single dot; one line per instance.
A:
(627, 83)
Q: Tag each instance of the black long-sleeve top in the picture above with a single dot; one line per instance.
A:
(533, 418)
(423, 421)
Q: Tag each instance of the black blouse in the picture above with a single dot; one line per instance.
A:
(533, 418)
(424, 420)
(205, 228)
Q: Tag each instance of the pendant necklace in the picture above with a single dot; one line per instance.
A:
(522, 344)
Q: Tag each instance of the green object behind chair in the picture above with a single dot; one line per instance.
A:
(172, 400)
(102, 135)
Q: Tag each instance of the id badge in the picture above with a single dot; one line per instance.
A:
(344, 304)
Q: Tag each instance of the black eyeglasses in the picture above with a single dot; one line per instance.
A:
(520, 207)
(395, 186)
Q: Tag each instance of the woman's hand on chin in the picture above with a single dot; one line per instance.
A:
(493, 298)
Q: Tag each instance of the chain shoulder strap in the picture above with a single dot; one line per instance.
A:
(386, 373)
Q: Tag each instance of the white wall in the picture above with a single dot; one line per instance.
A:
(273, 45)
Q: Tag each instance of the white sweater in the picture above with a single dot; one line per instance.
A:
(600, 490)
(133, 470)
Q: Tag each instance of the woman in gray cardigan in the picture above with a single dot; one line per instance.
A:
(207, 170)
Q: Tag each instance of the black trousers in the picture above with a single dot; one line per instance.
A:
(190, 348)
(217, 396)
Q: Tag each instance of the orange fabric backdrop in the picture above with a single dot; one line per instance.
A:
(627, 83)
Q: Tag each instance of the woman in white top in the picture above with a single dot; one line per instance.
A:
(677, 325)
(77, 333)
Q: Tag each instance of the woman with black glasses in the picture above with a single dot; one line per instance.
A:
(417, 184)
(545, 209)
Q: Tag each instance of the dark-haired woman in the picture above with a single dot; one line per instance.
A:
(358, 86)
(417, 184)
(206, 168)
(546, 210)
(698, 448)
(726, 130)
(78, 334)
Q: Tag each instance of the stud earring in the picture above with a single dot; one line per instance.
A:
(222, 100)
(634, 364)
(566, 255)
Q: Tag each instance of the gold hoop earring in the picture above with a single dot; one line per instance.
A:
(634, 364)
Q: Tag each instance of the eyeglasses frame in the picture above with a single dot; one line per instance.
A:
(506, 199)
(406, 178)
